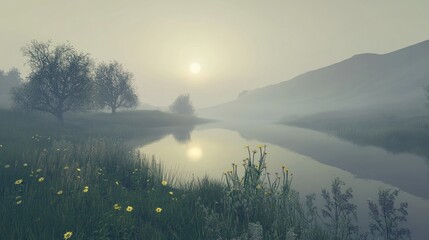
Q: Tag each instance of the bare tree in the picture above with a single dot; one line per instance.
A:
(60, 80)
(182, 105)
(114, 87)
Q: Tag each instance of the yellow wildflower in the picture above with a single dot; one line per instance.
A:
(164, 183)
(17, 197)
(117, 207)
(78, 169)
(86, 189)
(41, 179)
(66, 167)
(25, 164)
(171, 193)
(129, 209)
(60, 192)
(19, 202)
(67, 235)
(117, 183)
(158, 210)
(19, 181)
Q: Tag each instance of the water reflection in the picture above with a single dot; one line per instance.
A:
(314, 158)
(194, 153)
(182, 134)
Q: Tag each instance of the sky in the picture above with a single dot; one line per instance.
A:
(239, 45)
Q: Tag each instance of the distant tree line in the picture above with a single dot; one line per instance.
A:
(63, 79)
(8, 81)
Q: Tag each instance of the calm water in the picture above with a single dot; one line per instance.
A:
(314, 158)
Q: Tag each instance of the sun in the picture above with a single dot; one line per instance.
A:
(195, 68)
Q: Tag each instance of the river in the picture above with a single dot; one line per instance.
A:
(314, 158)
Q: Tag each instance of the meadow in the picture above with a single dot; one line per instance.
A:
(81, 181)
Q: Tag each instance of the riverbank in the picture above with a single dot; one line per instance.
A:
(395, 132)
(82, 182)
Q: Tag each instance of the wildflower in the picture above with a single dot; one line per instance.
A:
(129, 209)
(17, 197)
(58, 149)
(164, 183)
(19, 181)
(158, 210)
(171, 193)
(25, 164)
(78, 169)
(1, 146)
(19, 202)
(117, 183)
(60, 192)
(41, 179)
(86, 189)
(39, 170)
(117, 207)
(66, 167)
(67, 235)
(7, 166)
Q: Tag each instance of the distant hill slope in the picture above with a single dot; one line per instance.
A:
(392, 80)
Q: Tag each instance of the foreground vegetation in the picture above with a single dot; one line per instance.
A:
(73, 186)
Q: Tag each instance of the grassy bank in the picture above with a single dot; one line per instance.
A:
(22, 127)
(395, 132)
(75, 183)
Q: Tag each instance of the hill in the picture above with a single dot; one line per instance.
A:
(366, 81)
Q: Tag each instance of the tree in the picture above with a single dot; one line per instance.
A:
(60, 80)
(114, 87)
(182, 105)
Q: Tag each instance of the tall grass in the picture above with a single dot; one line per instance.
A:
(78, 187)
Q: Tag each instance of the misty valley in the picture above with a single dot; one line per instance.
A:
(74, 148)
(214, 120)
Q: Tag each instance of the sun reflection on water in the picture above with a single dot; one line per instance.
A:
(194, 153)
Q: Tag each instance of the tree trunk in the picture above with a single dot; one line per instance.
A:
(60, 118)
(113, 110)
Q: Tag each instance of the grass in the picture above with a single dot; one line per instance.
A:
(72, 183)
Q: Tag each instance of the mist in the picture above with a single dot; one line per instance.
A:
(214, 120)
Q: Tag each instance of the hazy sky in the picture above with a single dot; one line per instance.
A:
(240, 45)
